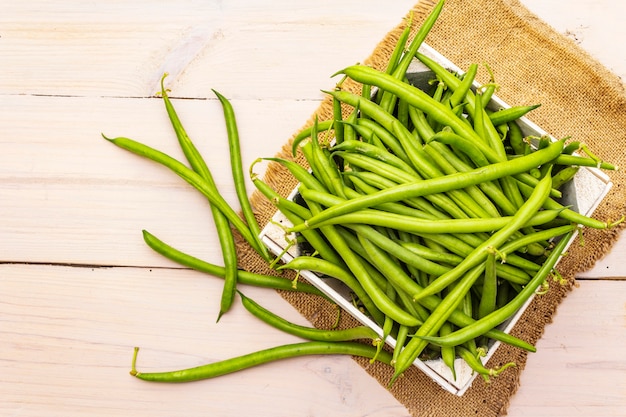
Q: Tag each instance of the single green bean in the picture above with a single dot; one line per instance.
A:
(510, 114)
(460, 93)
(249, 360)
(487, 303)
(478, 367)
(236, 165)
(306, 332)
(414, 225)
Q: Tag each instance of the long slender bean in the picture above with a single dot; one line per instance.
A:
(249, 360)
(306, 332)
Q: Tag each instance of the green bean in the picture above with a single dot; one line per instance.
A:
(479, 123)
(477, 366)
(510, 114)
(564, 159)
(489, 292)
(299, 173)
(571, 147)
(249, 360)
(222, 225)
(442, 184)
(527, 211)
(564, 176)
(398, 50)
(197, 182)
(401, 337)
(236, 165)
(243, 277)
(337, 123)
(459, 94)
(448, 354)
(305, 332)
(498, 316)
(415, 225)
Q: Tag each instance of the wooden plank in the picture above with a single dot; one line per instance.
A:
(69, 196)
(260, 49)
(579, 368)
(69, 334)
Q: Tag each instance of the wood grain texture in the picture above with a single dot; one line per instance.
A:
(78, 287)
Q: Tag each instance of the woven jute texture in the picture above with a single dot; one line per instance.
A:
(579, 98)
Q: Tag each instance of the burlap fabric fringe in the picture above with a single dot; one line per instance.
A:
(579, 98)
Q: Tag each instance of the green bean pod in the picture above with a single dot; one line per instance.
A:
(250, 360)
(305, 332)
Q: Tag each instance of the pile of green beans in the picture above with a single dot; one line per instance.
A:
(441, 217)
(436, 212)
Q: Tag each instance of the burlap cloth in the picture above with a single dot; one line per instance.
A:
(579, 98)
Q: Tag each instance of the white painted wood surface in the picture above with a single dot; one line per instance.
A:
(71, 203)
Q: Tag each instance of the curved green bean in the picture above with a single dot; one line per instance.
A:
(305, 332)
(250, 360)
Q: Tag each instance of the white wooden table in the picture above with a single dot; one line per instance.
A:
(78, 287)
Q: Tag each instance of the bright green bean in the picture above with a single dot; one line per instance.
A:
(305, 332)
(510, 114)
(236, 165)
(249, 360)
